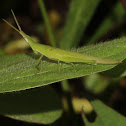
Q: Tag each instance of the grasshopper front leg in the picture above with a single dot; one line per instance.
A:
(38, 61)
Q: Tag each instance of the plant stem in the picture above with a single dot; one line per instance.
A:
(47, 23)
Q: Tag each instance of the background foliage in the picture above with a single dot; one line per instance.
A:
(45, 96)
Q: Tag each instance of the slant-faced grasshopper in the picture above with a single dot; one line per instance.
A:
(58, 54)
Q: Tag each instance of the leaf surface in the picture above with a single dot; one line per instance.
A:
(105, 116)
(79, 16)
(37, 105)
(18, 72)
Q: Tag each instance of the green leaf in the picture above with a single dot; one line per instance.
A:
(18, 72)
(38, 106)
(80, 13)
(105, 116)
(1, 52)
(109, 22)
(118, 71)
(96, 83)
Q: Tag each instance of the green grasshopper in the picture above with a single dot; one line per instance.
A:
(59, 54)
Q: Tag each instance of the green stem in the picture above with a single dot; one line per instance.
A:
(47, 23)
(65, 85)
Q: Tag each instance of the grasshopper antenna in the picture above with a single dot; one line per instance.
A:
(11, 25)
(16, 20)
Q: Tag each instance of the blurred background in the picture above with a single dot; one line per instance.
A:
(110, 14)
(31, 20)
(108, 22)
